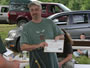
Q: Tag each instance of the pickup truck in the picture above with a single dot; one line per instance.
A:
(19, 13)
(4, 14)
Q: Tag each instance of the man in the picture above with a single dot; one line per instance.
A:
(80, 52)
(65, 58)
(3, 62)
(33, 38)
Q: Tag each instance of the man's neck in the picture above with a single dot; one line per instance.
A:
(37, 20)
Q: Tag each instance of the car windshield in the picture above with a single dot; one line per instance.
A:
(64, 8)
(19, 1)
(21, 7)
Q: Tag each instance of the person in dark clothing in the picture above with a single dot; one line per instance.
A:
(65, 58)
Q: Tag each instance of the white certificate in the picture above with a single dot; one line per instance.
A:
(54, 46)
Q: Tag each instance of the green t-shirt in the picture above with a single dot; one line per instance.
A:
(32, 31)
(2, 47)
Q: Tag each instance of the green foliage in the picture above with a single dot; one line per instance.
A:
(49, 0)
(65, 2)
(4, 2)
(72, 4)
(82, 60)
(86, 5)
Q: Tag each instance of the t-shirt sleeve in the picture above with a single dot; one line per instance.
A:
(2, 47)
(57, 30)
(24, 37)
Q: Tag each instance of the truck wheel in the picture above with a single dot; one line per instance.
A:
(21, 22)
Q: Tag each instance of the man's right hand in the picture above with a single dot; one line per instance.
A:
(43, 44)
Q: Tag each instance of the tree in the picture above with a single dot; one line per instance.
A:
(65, 2)
(49, 0)
(74, 4)
(4, 2)
(85, 5)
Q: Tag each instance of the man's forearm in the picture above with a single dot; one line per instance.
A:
(4, 63)
(28, 47)
(8, 64)
(69, 57)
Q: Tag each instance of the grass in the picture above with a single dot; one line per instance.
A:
(27, 66)
(82, 60)
(4, 29)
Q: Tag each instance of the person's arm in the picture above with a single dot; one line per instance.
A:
(29, 47)
(2, 61)
(80, 51)
(65, 60)
(8, 64)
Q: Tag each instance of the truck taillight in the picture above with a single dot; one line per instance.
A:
(8, 14)
(12, 13)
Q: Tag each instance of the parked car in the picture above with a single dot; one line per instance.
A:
(20, 14)
(4, 13)
(75, 23)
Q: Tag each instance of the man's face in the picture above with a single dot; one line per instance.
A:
(35, 11)
(82, 37)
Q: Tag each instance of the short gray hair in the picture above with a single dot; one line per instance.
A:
(37, 3)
